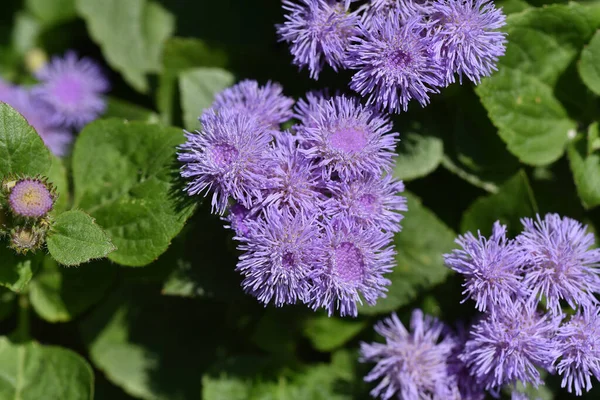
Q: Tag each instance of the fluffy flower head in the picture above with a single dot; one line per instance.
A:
(30, 198)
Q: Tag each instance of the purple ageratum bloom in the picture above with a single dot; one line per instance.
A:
(307, 110)
(508, 346)
(57, 139)
(238, 218)
(396, 63)
(281, 250)
(226, 156)
(293, 181)
(72, 89)
(491, 268)
(373, 201)
(30, 198)
(267, 103)
(349, 139)
(466, 37)
(465, 386)
(561, 261)
(405, 9)
(410, 365)
(319, 32)
(354, 262)
(578, 345)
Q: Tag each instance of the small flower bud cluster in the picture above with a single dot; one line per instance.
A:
(314, 209)
(24, 207)
(68, 96)
(400, 49)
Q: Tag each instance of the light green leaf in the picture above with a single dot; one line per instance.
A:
(329, 333)
(22, 151)
(198, 88)
(513, 201)
(117, 108)
(33, 372)
(520, 98)
(60, 294)
(16, 270)
(57, 175)
(131, 34)
(585, 165)
(419, 246)
(126, 176)
(74, 238)
(419, 154)
(51, 12)
(589, 64)
(26, 32)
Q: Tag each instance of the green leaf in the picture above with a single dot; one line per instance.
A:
(125, 176)
(198, 88)
(589, 64)
(513, 201)
(57, 175)
(32, 372)
(60, 294)
(22, 151)
(16, 270)
(131, 34)
(51, 12)
(26, 32)
(7, 303)
(74, 238)
(328, 333)
(585, 166)
(419, 154)
(520, 98)
(117, 108)
(181, 54)
(419, 246)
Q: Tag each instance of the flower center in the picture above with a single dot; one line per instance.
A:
(288, 261)
(368, 203)
(348, 263)
(69, 91)
(400, 58)
(224, 154)
(349, 140)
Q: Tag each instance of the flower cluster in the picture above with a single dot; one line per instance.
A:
(24, 207)
(521, 286)
(314, 208)
(68, 96)
(400, 49)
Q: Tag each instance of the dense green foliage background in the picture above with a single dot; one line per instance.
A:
(176, 324)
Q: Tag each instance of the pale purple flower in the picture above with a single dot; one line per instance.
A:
(411, 365)
(396, 63)
(373, 200)
(318, 32)
(30, 198)
(307, 110)
(267, 103)
(354, 262)
(237, 219)
(293, 181)
(466, 37)
(508, 345)
(226, 157)
(405, 9)
(280, 252)
(562, 263)
(491, 268)
(348, 139)
(72, 88)
(465, 386)
(578, 345)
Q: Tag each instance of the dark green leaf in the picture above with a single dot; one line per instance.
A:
(15, 270)
(74, 238)
(117, 108)
(125, 176)
(51, 12)
(585, 165)
(418, 155)
(589, 64)
(420, 246)
(329, 333)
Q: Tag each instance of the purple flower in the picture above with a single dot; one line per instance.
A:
(354, 262)
(561, 261)
(293, 181)
(396, 63)
(280, 254)
(31, 198)
(72, 89)
(465, 386)
(319, 32)
(267, 103)
(373, 201)
(578, 344)
(238, 218)
(509, 344)
(226, 157)
(491, 268)
(307, 110)
(348, 139)
(410, 365)
(405, 9)
(466, 37)
(57, 139)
